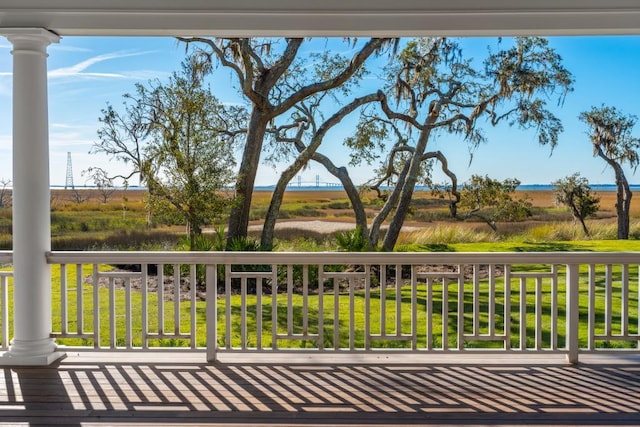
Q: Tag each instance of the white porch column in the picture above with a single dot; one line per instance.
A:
(32, 344)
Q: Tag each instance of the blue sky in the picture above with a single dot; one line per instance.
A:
(86, 73)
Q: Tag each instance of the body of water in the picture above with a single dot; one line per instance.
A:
(334, 187)
(524, 187)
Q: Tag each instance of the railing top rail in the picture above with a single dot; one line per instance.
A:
(6, 257)
(108, 257)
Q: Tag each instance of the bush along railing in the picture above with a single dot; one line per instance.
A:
(339, 302)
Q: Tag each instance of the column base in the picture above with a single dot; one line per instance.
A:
(7, 359)
(31, 353)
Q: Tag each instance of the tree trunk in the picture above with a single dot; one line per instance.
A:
(389, 204)
(266, 239)
(623, 202)
(577, 216)
(351, 190)
(623, 196)
(408, 186)
(584, 227)
(239, 216)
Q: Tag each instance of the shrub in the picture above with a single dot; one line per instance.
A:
(338, 204)
(352, 240)
(121, 240)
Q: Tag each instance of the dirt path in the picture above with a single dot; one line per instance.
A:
(325, 227)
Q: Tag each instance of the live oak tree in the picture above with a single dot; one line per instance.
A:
(610, 133)
(440, 93)
(174, 136)
(575, 193)
(260, 67)
(491, 201)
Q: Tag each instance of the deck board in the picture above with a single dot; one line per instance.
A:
(170, 389)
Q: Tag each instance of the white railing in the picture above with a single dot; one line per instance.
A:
(345, 302)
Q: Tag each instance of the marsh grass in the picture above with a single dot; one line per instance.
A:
(445, 234)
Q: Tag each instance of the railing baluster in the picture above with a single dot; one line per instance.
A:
(274, 287)
(127, 313)
(144, 289)
(79, 300)
(194, 299)
(476, 299)
(460, 317)
(624, 301)
(507, 307)
(554, 307)
(160, 296)
(352, 315)
(429, 310)
(445, 313)
(227, 307)
(492, 300)
(592, 308)
(538, 313)
(4, 303)
(176, 298)
(398, 299)
(290, 299)
(523, 313)
(367, 307)
(274, 312)
(305, 299)
(573, 314)
(320, 307)
(608, 300)
(336, 311)
(112, 313)
(383, 299)
(96, 308)
(211, 309)
(259, 283)
(414, 308)
(63, 299)
(243, 313)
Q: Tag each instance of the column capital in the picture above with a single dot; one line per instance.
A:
(30, 38)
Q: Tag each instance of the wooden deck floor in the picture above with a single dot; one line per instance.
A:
(170, 389)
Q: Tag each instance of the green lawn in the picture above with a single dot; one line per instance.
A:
(568, 246)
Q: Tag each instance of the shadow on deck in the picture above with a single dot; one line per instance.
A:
(169, 389)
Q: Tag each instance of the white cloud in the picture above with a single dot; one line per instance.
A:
(67, 48)
(79, 69)
(68, 126)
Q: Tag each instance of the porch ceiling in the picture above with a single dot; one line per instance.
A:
(326, 18)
